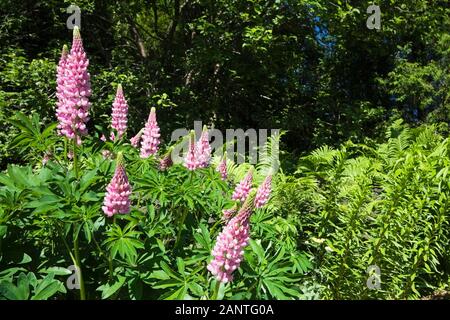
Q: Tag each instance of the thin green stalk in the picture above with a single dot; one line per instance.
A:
(76, 249)
(180, 227)
(216, 291)
(105, 256)
(65, 149)
(110, 259)
(213, 228)
(75, 157)
(67, 247)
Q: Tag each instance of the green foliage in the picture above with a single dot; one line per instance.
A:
(385, 205)
(159, 251)
(371, 192)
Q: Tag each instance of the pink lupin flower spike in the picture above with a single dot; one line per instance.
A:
(228, 251)
(60, 84)
(203, 149)
(166, 160)
(117, 198)
(136, 139)
(73, 113)
(222, 167)
(227, 214)
(150, 137)
(191, 161)
(119, 112)
(243, 188)
(263, 193)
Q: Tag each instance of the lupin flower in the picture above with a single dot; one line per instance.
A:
(72, 114)
(222, 167)
(136, 139)
(117, 198)
(166, 160)
(228, 251)
(243, 188)
(103, 138)
(227, 214)
(203, 149)
(263, 193)
(190, 160)
(46, 158)
(119, 112)
(150, 137)
(106, 154)
(60, 76)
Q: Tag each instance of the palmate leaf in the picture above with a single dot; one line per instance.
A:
(47, 288)
(108, 290)
(124, 242)
(42, 288)
(32, 137)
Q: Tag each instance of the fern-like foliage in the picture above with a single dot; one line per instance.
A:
(386, 205)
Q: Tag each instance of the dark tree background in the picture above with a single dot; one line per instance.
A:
(312, 68)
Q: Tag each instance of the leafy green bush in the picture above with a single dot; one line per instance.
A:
(150, 253)
(385, 205)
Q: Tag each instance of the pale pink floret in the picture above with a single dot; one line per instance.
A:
(263, 193)
(150, 137)
(190, 160)
(203, 149)
(228, 251)
(103, 138)
(72, 112)
(222, 168)
(117, 198)
(119, 112)
(243, 188)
